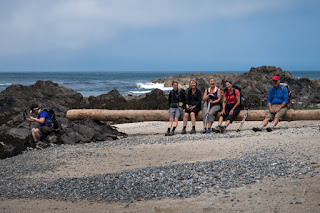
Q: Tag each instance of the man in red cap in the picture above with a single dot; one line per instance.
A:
(277, 104)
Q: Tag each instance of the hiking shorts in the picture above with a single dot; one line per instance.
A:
(213, 111)
(175, 112)
(45, 130)
(195, 110)
(279, 114)
(233, 116)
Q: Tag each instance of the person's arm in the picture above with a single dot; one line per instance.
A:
(169, 99)
(285, 97)
(38, 120)
(187, 98)
(183, 98)
(199, 95)
(270, 101)
(205, 95)
(224, 103)
(238, 102)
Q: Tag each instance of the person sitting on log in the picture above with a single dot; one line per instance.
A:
(231, 107)
(212, 98)
(45, 123)
(193, 106)
(177, 99)
(277, 104)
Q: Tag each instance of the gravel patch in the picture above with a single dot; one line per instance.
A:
(172, 181)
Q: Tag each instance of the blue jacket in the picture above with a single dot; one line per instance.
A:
(277, 96)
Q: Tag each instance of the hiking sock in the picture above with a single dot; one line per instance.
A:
(271, 126)
(193, 127)
(260, 126)
(168, 130)
(174, 128)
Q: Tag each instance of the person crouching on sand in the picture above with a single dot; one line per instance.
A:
(177, 99)
(230, 107)
(212, 105)
(277, 104)
(193, 106)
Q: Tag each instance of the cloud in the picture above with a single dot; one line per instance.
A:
(42, 25)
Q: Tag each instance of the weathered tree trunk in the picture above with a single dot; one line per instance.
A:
(163, 115)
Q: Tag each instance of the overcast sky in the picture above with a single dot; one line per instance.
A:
(159, 35)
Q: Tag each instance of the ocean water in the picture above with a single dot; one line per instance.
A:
(97, 83)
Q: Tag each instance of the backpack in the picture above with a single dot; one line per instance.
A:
(179, 97)
(53, 118)
(282, 85)
(241, 96)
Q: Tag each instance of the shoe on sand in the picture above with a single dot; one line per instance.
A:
(222, 129)
(171, 133)
(167, 133)
(216, 129)
(203, 131)
(256, 129)
(269, 129)
(208, 131)
(183, 131)
(193, 131)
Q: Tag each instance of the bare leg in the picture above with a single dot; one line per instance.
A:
(220, 121)
(176, 121)
(170, 123)
(266, 121)
(185, 119)
(209, 125)
(36, 134)
(193, 118)
(227, 123)
(275, 121)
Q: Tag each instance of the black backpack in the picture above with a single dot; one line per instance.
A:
(53, 117)
(241, 97)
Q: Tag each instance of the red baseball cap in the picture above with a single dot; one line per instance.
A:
(275, 78)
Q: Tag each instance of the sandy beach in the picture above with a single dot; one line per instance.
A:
(146, 147)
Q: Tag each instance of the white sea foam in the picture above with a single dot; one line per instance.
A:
(139, 92)
(5, 84)
(152, 86)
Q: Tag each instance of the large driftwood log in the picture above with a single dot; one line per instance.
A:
(162, 115)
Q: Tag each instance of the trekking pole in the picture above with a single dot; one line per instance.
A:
(29, 134)
(207, 115)
(244, 117)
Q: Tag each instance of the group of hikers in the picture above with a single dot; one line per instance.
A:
(229, 103)
(188, 105)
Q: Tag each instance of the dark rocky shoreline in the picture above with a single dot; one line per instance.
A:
(16, 99)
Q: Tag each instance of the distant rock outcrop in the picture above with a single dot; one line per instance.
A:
(255, 85)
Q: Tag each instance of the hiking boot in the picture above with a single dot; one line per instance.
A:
(193, 131)
(222, 129)
(216, 129)
(269, 129)
(208, 131)
(167, 133)
(204, 131)
(183, 131)
(41, 145)
(171, 133)
(256, 129)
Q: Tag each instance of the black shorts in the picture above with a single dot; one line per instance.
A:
(195, 110)
(233, 116)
